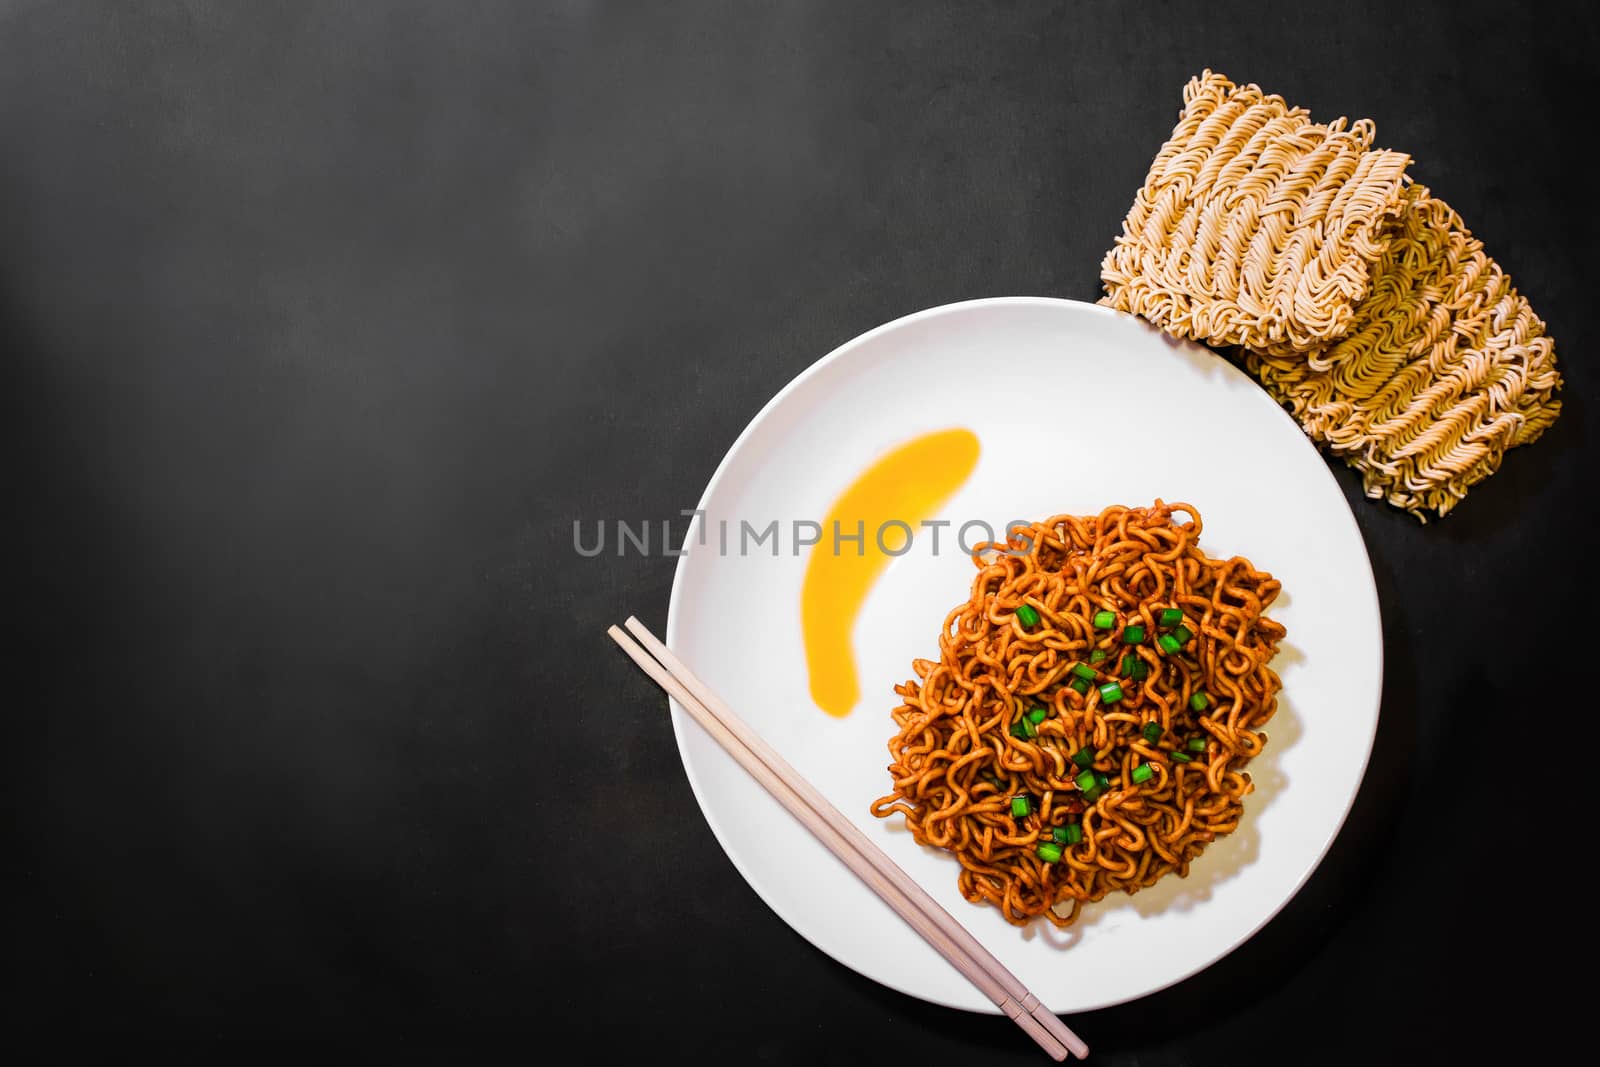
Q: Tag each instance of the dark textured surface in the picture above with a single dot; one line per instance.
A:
(324, 322)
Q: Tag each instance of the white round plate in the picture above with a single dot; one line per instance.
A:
(1076, 407)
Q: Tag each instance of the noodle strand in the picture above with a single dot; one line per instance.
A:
(958, 764)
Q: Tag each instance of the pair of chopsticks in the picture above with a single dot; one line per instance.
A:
(869, 863)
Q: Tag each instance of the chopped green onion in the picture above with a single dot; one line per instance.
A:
(1086, 781)
(1199, 701)
(1024, 730)
(1197, 744)
(1083, 670)
(1050, 852)
(1097, 656)
(1100, 780)
(1110, 693)
(1037, 716)
(1079, 685)
(1074, 833)
(1152, 732)
(1183, 635)
(1105, 620)
(1169, 644)
(1027, 616)
(1021, 807)
(1133, 635)
(1170, 617)
(1089, 796)
(1181, 757)
(1083, 757)
(1134, 667)
(1142, 774)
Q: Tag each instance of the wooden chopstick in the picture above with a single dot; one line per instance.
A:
(853, 848)
(874, 856)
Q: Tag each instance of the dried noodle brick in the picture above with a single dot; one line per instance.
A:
(1255, 226)
(1360, 301)
(1444, 368)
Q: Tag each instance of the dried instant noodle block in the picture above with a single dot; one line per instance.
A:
(1444, 367)
(1255, 226)
(1361, 302)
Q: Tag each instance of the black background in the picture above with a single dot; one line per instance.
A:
(324, 322)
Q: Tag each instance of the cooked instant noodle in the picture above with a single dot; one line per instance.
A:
(1088, 722)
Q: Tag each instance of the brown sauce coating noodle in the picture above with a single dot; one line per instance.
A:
(957, 764)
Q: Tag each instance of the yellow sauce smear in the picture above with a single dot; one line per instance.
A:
(909, 484)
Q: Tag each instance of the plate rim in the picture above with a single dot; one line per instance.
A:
(680, 718)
